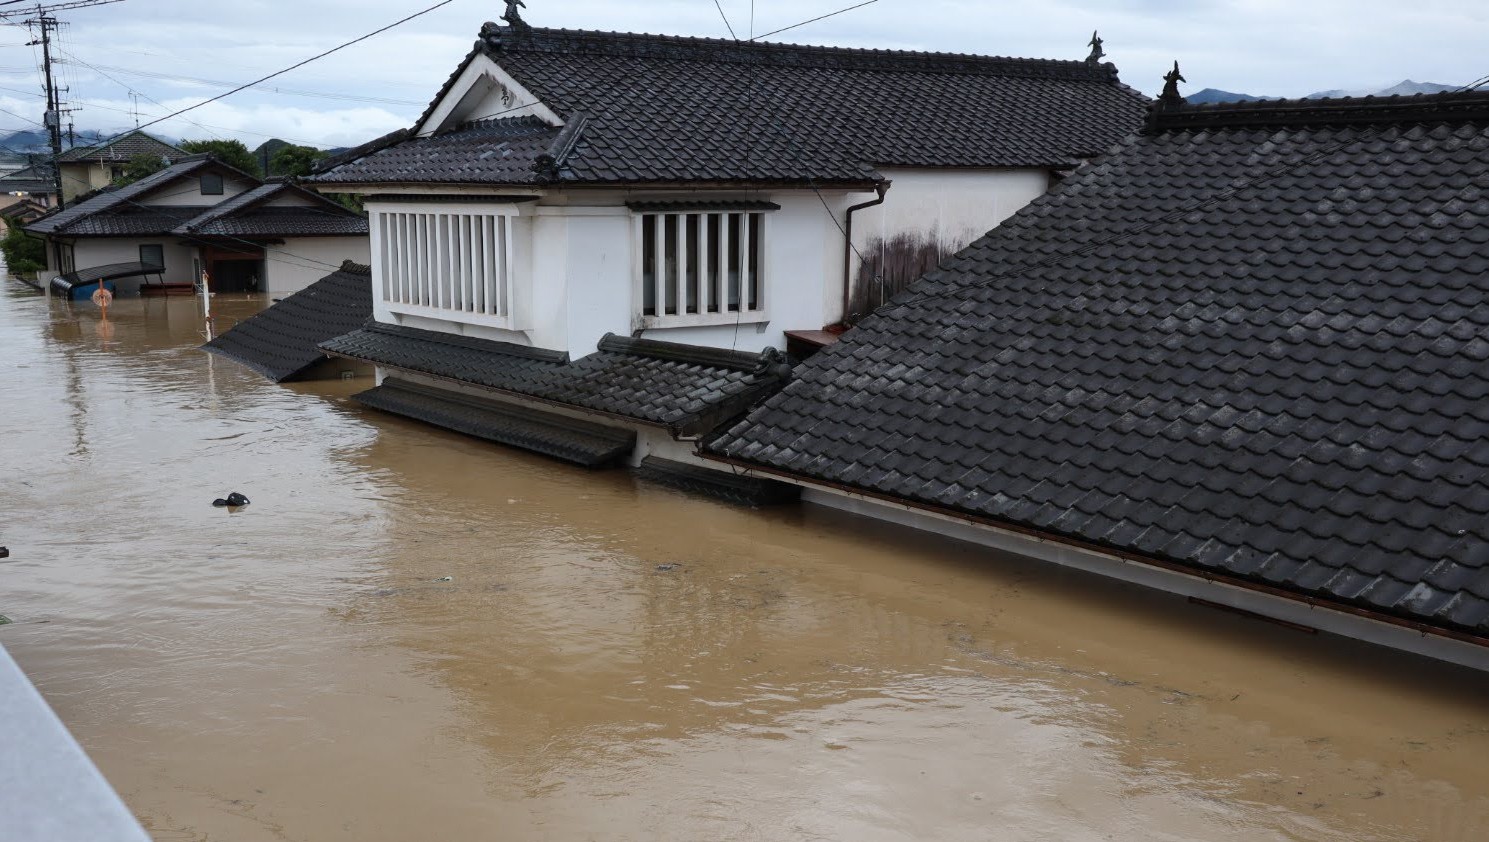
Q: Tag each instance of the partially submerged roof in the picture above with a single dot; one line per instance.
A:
(647, 109)
(684, 388)
(282, 342)
(64, 284)
(123, 149)
(128, 211)
(1253, 348)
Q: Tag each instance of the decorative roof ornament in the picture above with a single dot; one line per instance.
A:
(1171, 95)
(514, 17)
(1097, 53)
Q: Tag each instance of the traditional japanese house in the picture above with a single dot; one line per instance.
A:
(617, 236)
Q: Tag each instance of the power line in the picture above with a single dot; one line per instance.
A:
(150, 74)
(727, 24)
(813, 20)
(301, 64)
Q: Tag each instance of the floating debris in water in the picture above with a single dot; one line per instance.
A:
(4, 620)
(668, 568)
(233, 501)
(445, 579)
(4, 553)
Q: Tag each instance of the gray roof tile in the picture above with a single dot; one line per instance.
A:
(1177, 338)
(687, 389)
(666, 109)
(283, 341)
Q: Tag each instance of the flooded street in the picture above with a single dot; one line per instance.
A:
(411, 635)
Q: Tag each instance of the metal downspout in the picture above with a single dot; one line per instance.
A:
(883, 189)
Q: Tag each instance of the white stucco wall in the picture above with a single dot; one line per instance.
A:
(101, 252)
(947, 208)
(302, 261)
(583, 246)
(188, 193)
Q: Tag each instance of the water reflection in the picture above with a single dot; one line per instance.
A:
(411, 635)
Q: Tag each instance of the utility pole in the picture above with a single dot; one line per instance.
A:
(53, 120)
(48, 24)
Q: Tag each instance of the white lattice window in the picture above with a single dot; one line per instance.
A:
(453, 263)
(700, 268)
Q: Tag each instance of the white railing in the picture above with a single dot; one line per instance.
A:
(700, 268)
(453, 263)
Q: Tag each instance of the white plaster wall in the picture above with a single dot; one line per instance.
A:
(599, 295)
(101, 252)
(188, 193)
(951, 207)
(302, 261)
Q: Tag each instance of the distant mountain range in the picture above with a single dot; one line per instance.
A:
(1406, 88)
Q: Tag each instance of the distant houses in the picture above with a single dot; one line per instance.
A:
(201, 215)
(601, 245)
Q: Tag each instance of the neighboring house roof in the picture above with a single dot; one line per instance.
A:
(33, 179)
(1256, 348)
(684, 388)
(249, 215)
(107, 200)
(128, 212)
(648, 109)
(122, 149)
(283, 341)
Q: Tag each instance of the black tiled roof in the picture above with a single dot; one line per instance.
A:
(132, 221)
(647, 108)
(581, 442)
(283, 341)
(686, 389)
(498, 151)
(108, 200)
(1256, 351)
(122, 149)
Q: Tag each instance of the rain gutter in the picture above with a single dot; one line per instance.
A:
(883, 189)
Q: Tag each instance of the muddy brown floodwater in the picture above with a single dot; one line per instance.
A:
(415, 636)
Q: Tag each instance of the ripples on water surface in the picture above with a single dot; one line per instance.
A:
(298, 671)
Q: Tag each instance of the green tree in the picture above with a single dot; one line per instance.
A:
(230, 152)
(140, 167)
(24, 254)
(295, 161)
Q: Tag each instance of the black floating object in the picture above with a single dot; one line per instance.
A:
(4, 553)
(220, 503)
(233, 501)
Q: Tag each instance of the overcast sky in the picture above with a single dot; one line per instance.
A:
(156, 48)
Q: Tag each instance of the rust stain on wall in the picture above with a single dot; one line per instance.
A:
(887, 267)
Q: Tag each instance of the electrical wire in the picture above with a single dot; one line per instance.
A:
(813, 20)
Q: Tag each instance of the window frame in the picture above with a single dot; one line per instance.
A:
(221, 183)
(390, 224)
(158, 246)
(759, 270)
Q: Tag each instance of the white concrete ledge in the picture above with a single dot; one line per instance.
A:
(49, 790)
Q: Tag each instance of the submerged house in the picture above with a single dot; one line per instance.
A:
(1244, 358)
(598, 245)
(198, 215)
